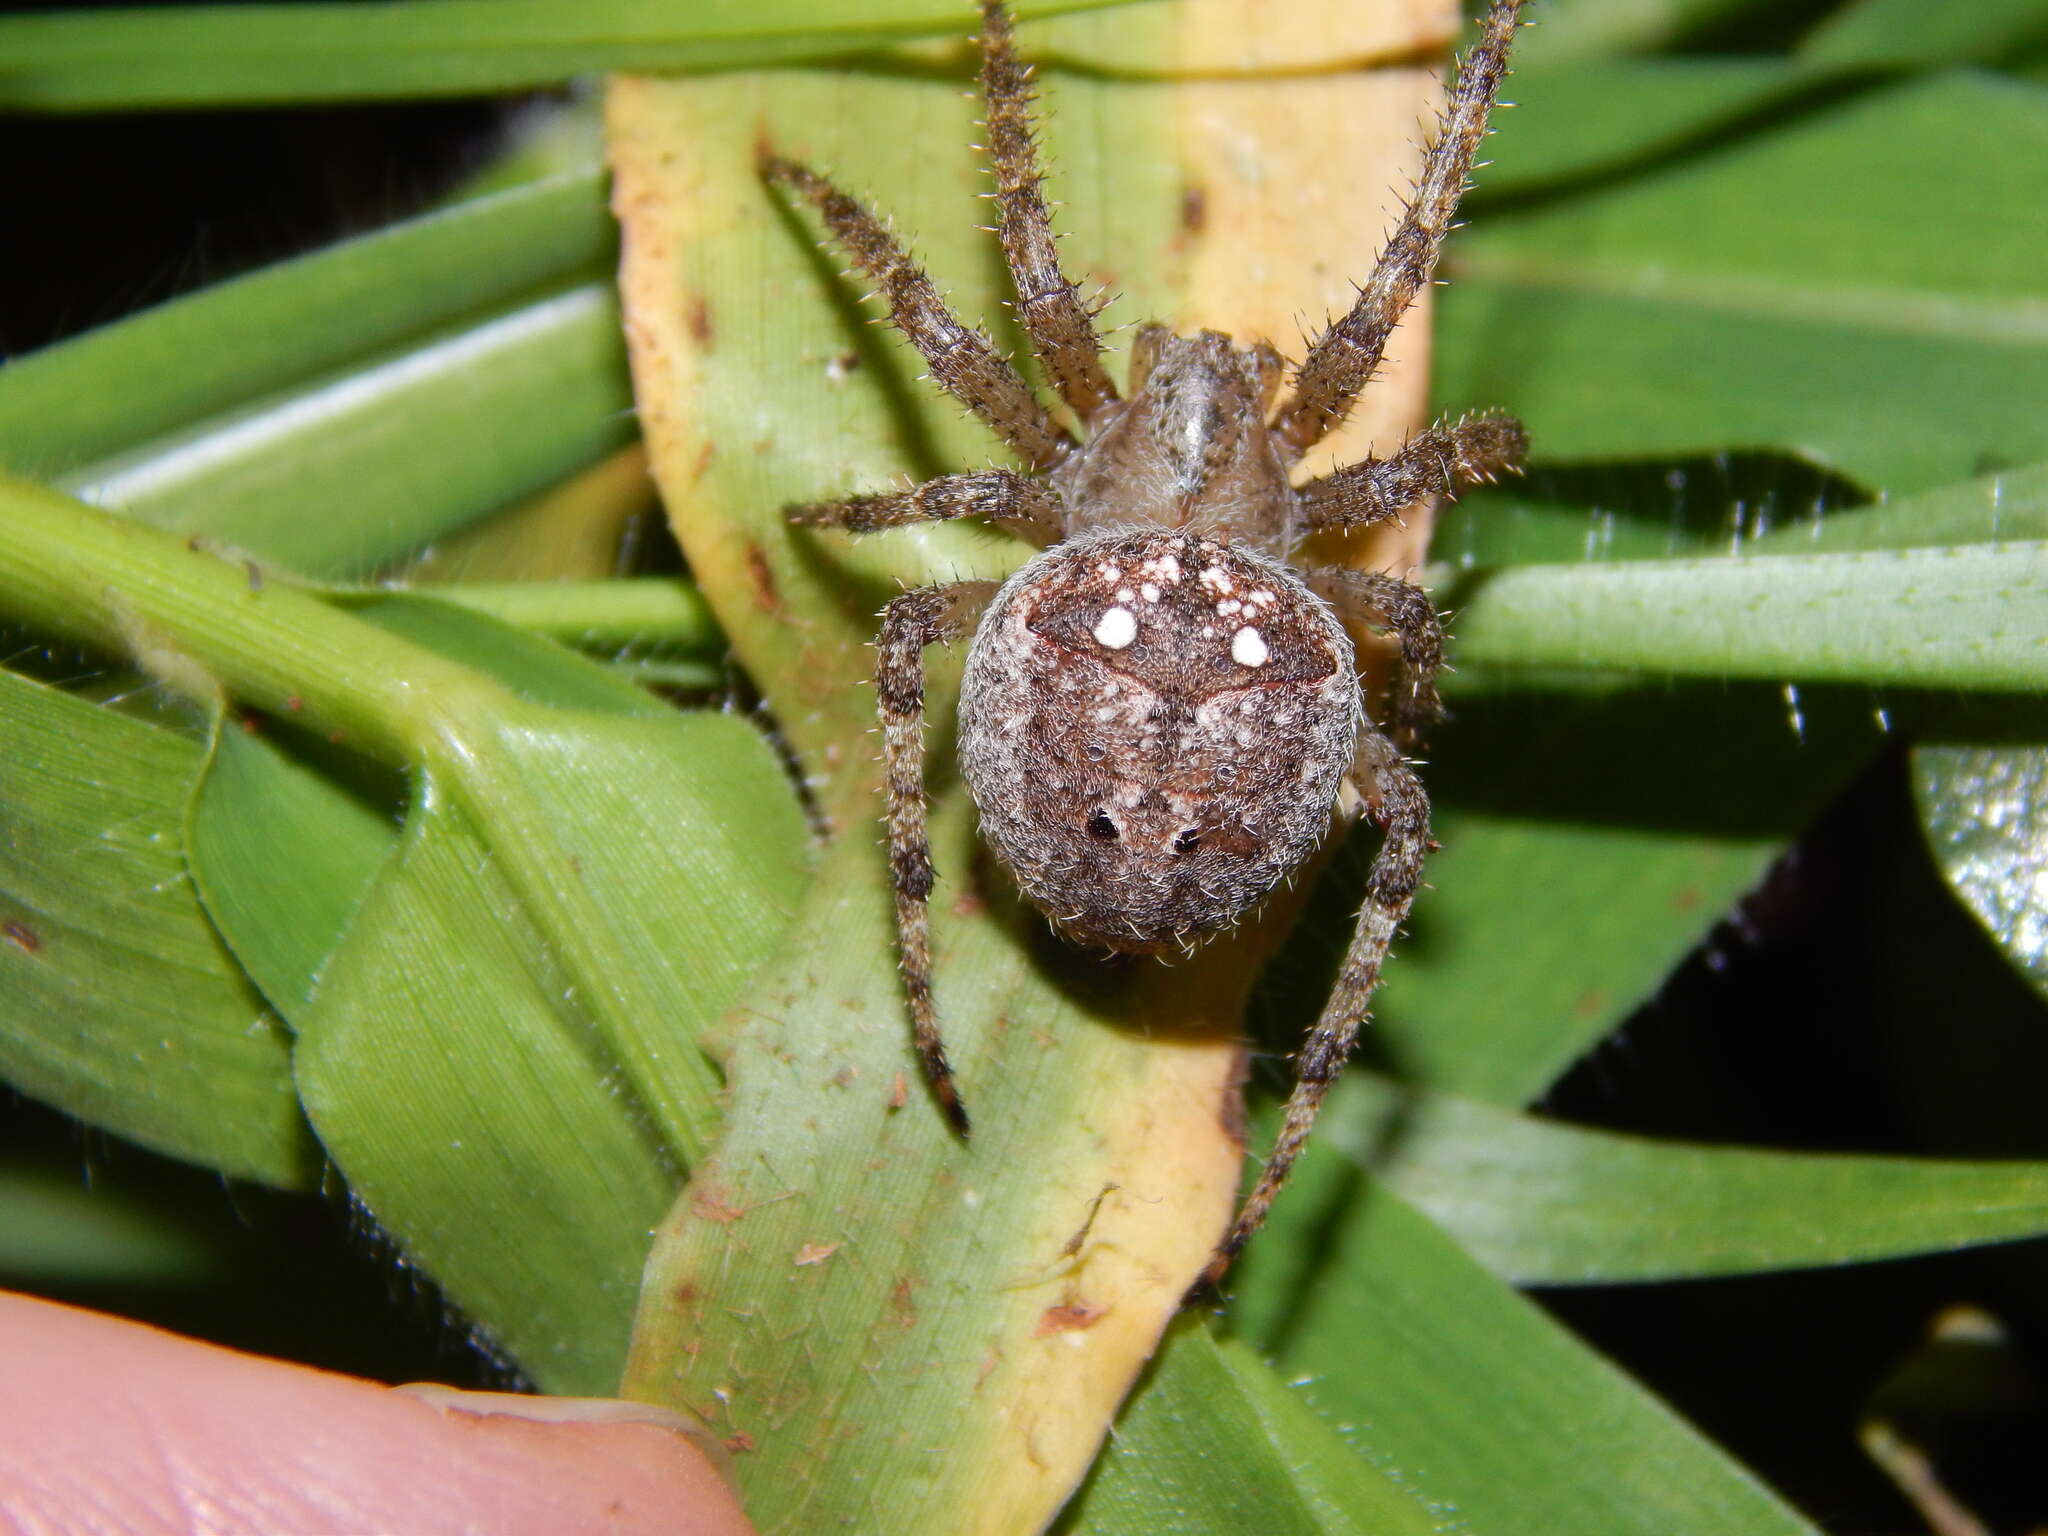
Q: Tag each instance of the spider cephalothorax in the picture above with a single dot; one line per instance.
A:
(1159, 709)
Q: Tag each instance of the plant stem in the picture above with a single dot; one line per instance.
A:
(207, 626)
(665, 613)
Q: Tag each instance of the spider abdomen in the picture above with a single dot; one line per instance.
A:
(1154, 724)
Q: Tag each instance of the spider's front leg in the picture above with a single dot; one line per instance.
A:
(1348, 353)
(999, 496)
(927, 616)
(1437, 461)
(1399, 804)
(963, 361)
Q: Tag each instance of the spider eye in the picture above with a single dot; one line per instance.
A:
(1188, 841)
(1099, 825)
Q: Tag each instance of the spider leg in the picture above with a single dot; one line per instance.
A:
(1000, 496)
(1401, 806)
(963, 360)
(1347, 354)
(916, 619)
(1437, 461)
(1061, 329)
(1407, 611)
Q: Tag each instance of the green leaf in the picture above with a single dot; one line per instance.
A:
(1543, 1203)
(458, 1069)
(57, 1229)
(505, 1053)
(1803, 290)
(1214, 1442)
(1573, 29)
(1970, 616)
(216, 55)
(348, 473)
(1640, 815)
(120, 1004)
(1593, 116)
(1889, 33)
(282, 855)
(1985, 811)
(215, 351)
(2006, 508)
(1467, 1392)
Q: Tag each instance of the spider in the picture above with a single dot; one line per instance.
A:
(1158, 710)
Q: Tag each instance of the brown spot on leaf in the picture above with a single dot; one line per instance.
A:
(1194, 208)
(697, 316)
(1068, 1317)
(967, 904)
(708, 1204)
(762, 575)
(293, 704)
(902, 1303)
(899, 1092)
(845, 1077)
(1685, 898)
(1590, 1004)
(22, 937)
(250, 725)
(814, 1253)
(742, 1441)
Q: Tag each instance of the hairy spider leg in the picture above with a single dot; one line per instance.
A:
(934, 615)
(1061, 329)
(1344, 358)
(999, 496)
(1406, 610)
(963, 361)
(1440, 461)
(1399, 804)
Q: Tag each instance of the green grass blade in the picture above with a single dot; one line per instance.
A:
(1594, 116)
(2008, 507)
(282, 855)
(65, 1231)
(1971, 616)
(347, 473)
(1542, 1203)
(215, 351)
(1641, 814)
(1802, 289)
(461, 1075)
(221, 55)
(1890, 33)
(582, 891)
(120, 1004)
(1470, 1393)
(1215, 1444)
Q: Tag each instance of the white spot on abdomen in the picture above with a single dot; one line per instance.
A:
(1247, 646)
(1117, 628)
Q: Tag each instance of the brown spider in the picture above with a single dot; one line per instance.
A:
(1158, 710)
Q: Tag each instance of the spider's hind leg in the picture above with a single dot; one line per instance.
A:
(999, 496)
(1405, 609)
(1399, 804)
(926, 616)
